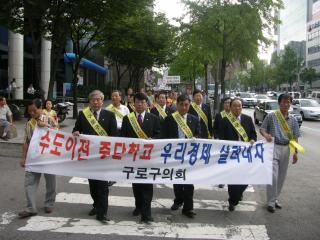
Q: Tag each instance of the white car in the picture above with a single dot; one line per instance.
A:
(308, 108)
(261, 98)
(248, 100)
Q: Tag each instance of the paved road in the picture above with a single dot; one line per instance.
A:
(299, 219)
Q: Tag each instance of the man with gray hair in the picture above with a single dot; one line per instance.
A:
(94, 120)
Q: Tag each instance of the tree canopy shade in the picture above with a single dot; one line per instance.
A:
(139, 41)
(309, 75)
(230, 30)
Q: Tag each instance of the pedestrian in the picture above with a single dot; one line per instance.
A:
(47, 110)
(94, 120)
(160, 109)
(6, 119)
(284, 130)
(117, 108)
(203, 113)
(130, 103)
(32, 179)
(219, 116)
(181, 124)
(31, 91)
(237, 126)
(141, 124)
(150, 98)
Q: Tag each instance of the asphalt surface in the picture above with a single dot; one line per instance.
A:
(299, 218)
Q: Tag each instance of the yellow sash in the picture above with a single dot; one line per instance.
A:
(160, 110)
(33, 122)
(136, 126)
(182, 124)
(115, 111)
(94, 123)
(131, 106)
(202, 115)
(285, 127)
(237, 125)
(223, 114)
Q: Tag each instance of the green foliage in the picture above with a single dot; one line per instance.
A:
(309, 75)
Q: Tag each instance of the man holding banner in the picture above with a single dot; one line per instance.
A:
(237, 127)
(203, 113)
(117, 108)
(285, 131)
(141, 124)
(94, 120)
(180, 124)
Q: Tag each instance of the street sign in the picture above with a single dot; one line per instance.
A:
(172, 79)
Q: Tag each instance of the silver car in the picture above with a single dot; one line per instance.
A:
(308, 108)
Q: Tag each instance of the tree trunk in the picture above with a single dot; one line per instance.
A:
(75, 88)
(222, 75)
(206, 77)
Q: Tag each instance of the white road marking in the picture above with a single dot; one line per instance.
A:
(77, 180)
(155, 229)
(6, 218)
(120, 201)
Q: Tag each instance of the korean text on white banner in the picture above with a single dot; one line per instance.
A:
(132, 160)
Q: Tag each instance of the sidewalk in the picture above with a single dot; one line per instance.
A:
(13, 147)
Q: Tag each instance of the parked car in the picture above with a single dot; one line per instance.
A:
(295, 95)
(315, 95)
(308, 108)
(263, 108)
(248, 99)
(261, 98)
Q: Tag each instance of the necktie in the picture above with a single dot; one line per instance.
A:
(140, 119)
(95, 114)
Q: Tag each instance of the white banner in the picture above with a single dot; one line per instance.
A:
(135, 160)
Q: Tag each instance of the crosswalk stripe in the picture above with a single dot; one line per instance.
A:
(155, 229)
(77, 180)
(121, 201)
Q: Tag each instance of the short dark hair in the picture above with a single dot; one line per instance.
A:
(140, 96)
(1, 98)
(226, 99)
(37, 102)
(284, 96)
(159, 93)
(45, 102)
(118, 91)
(196, 92)
(235, 99)
(182, 98)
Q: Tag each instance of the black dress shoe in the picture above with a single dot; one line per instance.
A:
(175, 206)
(231, 207)
(92, 212)
(146, 220)
(103, 219)
(278, 205)
(136, 212)
(270, 209)
(221, 186)
(189, 214)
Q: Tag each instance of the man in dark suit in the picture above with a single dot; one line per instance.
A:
(160, 105)
(228, 132)
(217, 120)
(98, 189)
(183, 192)
(150, 125)
(205, 129)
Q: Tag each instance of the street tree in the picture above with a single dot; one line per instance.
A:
(309, 75)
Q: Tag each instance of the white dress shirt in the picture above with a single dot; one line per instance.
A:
(180, 132)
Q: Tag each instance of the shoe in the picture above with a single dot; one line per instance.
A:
(175, 206)
(189, 214)
(5, 138)
(278, 205)
(48, 210)
(231, 207)
(221, 186)
(111, 183)
(92, 212)
(103, 219)
(270, 209)
(136, 212)
(147, 220)
(25, 214)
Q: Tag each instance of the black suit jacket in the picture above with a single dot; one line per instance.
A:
(228, 132)
(216, 125)
(107, 120)
(203, 130)
(168, 111)
(150, 125)
(171, 127)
